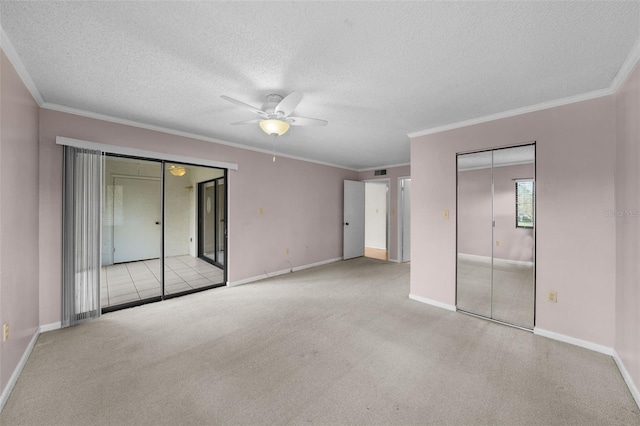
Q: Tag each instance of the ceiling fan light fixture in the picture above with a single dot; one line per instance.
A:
(274, 127)
(177, 170)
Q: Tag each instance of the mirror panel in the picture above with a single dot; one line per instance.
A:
(496, 234)
(474, 233)
(513, 204)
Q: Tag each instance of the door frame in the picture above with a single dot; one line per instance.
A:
(535, 227)
(401, 223)
(387, 182)
(200, 249)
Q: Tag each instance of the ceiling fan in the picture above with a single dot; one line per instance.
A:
(275, 114)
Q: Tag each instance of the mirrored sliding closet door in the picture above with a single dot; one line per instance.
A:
(496, 235)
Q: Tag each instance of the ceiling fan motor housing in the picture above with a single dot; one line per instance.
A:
(270, 105)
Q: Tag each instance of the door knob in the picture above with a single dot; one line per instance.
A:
(347, 223)
(157, 223)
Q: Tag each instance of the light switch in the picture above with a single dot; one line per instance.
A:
(260, 211)
(445, 214)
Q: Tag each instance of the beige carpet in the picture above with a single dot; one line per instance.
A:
(339, 344)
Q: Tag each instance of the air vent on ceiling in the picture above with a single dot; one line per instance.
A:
(381, 172)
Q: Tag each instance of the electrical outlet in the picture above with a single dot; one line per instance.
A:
(552, 296)
(260, 211)
(5, 332)
(286, 251)
(445, 214)
(498, 243)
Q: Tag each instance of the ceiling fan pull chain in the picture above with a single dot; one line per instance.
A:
(274, 148)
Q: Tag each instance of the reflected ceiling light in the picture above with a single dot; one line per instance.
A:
(274, 127)
(177, 170)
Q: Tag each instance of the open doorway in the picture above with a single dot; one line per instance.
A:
(376, 219)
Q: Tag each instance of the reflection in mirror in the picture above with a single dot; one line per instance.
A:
(496, 234)
(131, 231)
(187, 229)
(474, 233)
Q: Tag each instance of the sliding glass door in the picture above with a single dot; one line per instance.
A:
(151, 231)
(131, 231)
(185, 269)
(211, 211)
(496, 234)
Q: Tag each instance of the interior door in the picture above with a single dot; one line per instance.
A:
(353, 225)
(137, 219)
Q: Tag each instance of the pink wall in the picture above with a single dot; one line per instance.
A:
(474, 213)
(575, 185)
(393, 173)
(628, 225)
(301, 201)
(18, 218)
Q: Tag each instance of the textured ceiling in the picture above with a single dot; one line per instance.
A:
(375, 70)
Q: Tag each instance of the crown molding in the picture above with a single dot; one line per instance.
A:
(626, 68)
(616, 83)
(12, 55)
(140, 125)
(21, 70)
(368, 169)
(514, 112)
(14, 58)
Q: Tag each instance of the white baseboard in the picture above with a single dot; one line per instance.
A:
(627, 377)
(393, 260)
(16, 373)
(50, 327)
(433, 302)
(574, 341)
(281, 272)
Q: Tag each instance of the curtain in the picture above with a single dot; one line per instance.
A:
(81, 235)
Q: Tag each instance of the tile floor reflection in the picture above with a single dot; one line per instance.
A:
(132, 281)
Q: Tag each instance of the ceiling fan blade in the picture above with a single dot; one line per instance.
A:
(303, 121)
(288, 104)
(245, 106)
(257, 120)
